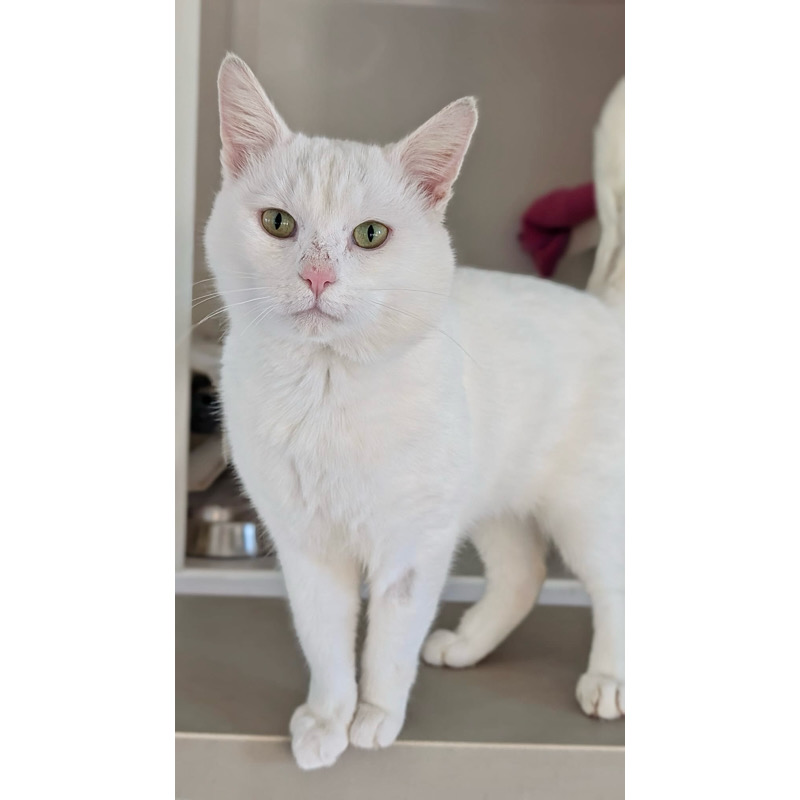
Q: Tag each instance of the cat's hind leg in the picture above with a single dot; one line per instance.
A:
(591, 538)
(514, 554)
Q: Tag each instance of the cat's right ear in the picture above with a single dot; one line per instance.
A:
(249, 124)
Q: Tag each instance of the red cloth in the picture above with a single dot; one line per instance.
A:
(547, 224)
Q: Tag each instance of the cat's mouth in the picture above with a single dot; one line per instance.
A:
(315, 312)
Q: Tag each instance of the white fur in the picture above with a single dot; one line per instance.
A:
(440, 402)
(608, 274)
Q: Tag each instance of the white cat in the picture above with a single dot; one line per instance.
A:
(381, 404)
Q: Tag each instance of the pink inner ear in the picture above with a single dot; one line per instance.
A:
(249, 125)
(437, 172)
(433, 154)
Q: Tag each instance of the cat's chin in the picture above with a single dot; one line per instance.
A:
(315, 323)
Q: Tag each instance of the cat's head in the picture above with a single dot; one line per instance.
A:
(328, 241)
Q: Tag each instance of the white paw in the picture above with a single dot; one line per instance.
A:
(447, 648)
(372, 727)
(601, 696)
(316, 742)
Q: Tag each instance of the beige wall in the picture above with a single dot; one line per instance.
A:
(374, 70)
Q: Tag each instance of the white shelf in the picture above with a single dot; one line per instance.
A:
(261, 577)
(243, 579)
(509, 728)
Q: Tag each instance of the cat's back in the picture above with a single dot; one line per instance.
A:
(516, 310)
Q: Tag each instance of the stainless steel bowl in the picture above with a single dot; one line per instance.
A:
(215, 533)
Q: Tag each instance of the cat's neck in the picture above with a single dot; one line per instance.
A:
(285, 361)
(351, 355)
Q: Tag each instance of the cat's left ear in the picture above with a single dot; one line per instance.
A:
(433, 154)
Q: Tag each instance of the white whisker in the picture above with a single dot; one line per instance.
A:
(401, 289)
(428, 324)
(216, 313)
(258, 317)
(204, 298)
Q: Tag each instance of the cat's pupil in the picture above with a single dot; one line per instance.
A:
(278, 220)
(370, 232)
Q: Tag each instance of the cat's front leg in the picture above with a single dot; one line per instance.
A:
(402, 606)
(324, 596)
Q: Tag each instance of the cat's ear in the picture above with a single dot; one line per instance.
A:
(249, 123)
(432, 155)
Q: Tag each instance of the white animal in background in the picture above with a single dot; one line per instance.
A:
(381, 405)
(607, 280)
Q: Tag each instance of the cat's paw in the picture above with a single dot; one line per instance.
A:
(373, 727)
(316, 742)
(448, 649)
(601, 696)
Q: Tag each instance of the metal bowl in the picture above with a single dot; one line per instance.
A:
(214, 533)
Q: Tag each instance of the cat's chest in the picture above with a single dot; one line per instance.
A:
(321, 445)
(319, 417)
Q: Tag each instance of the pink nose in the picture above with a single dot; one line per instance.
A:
(318, 277)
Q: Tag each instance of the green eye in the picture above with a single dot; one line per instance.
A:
(278, 222)
(370, 234)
